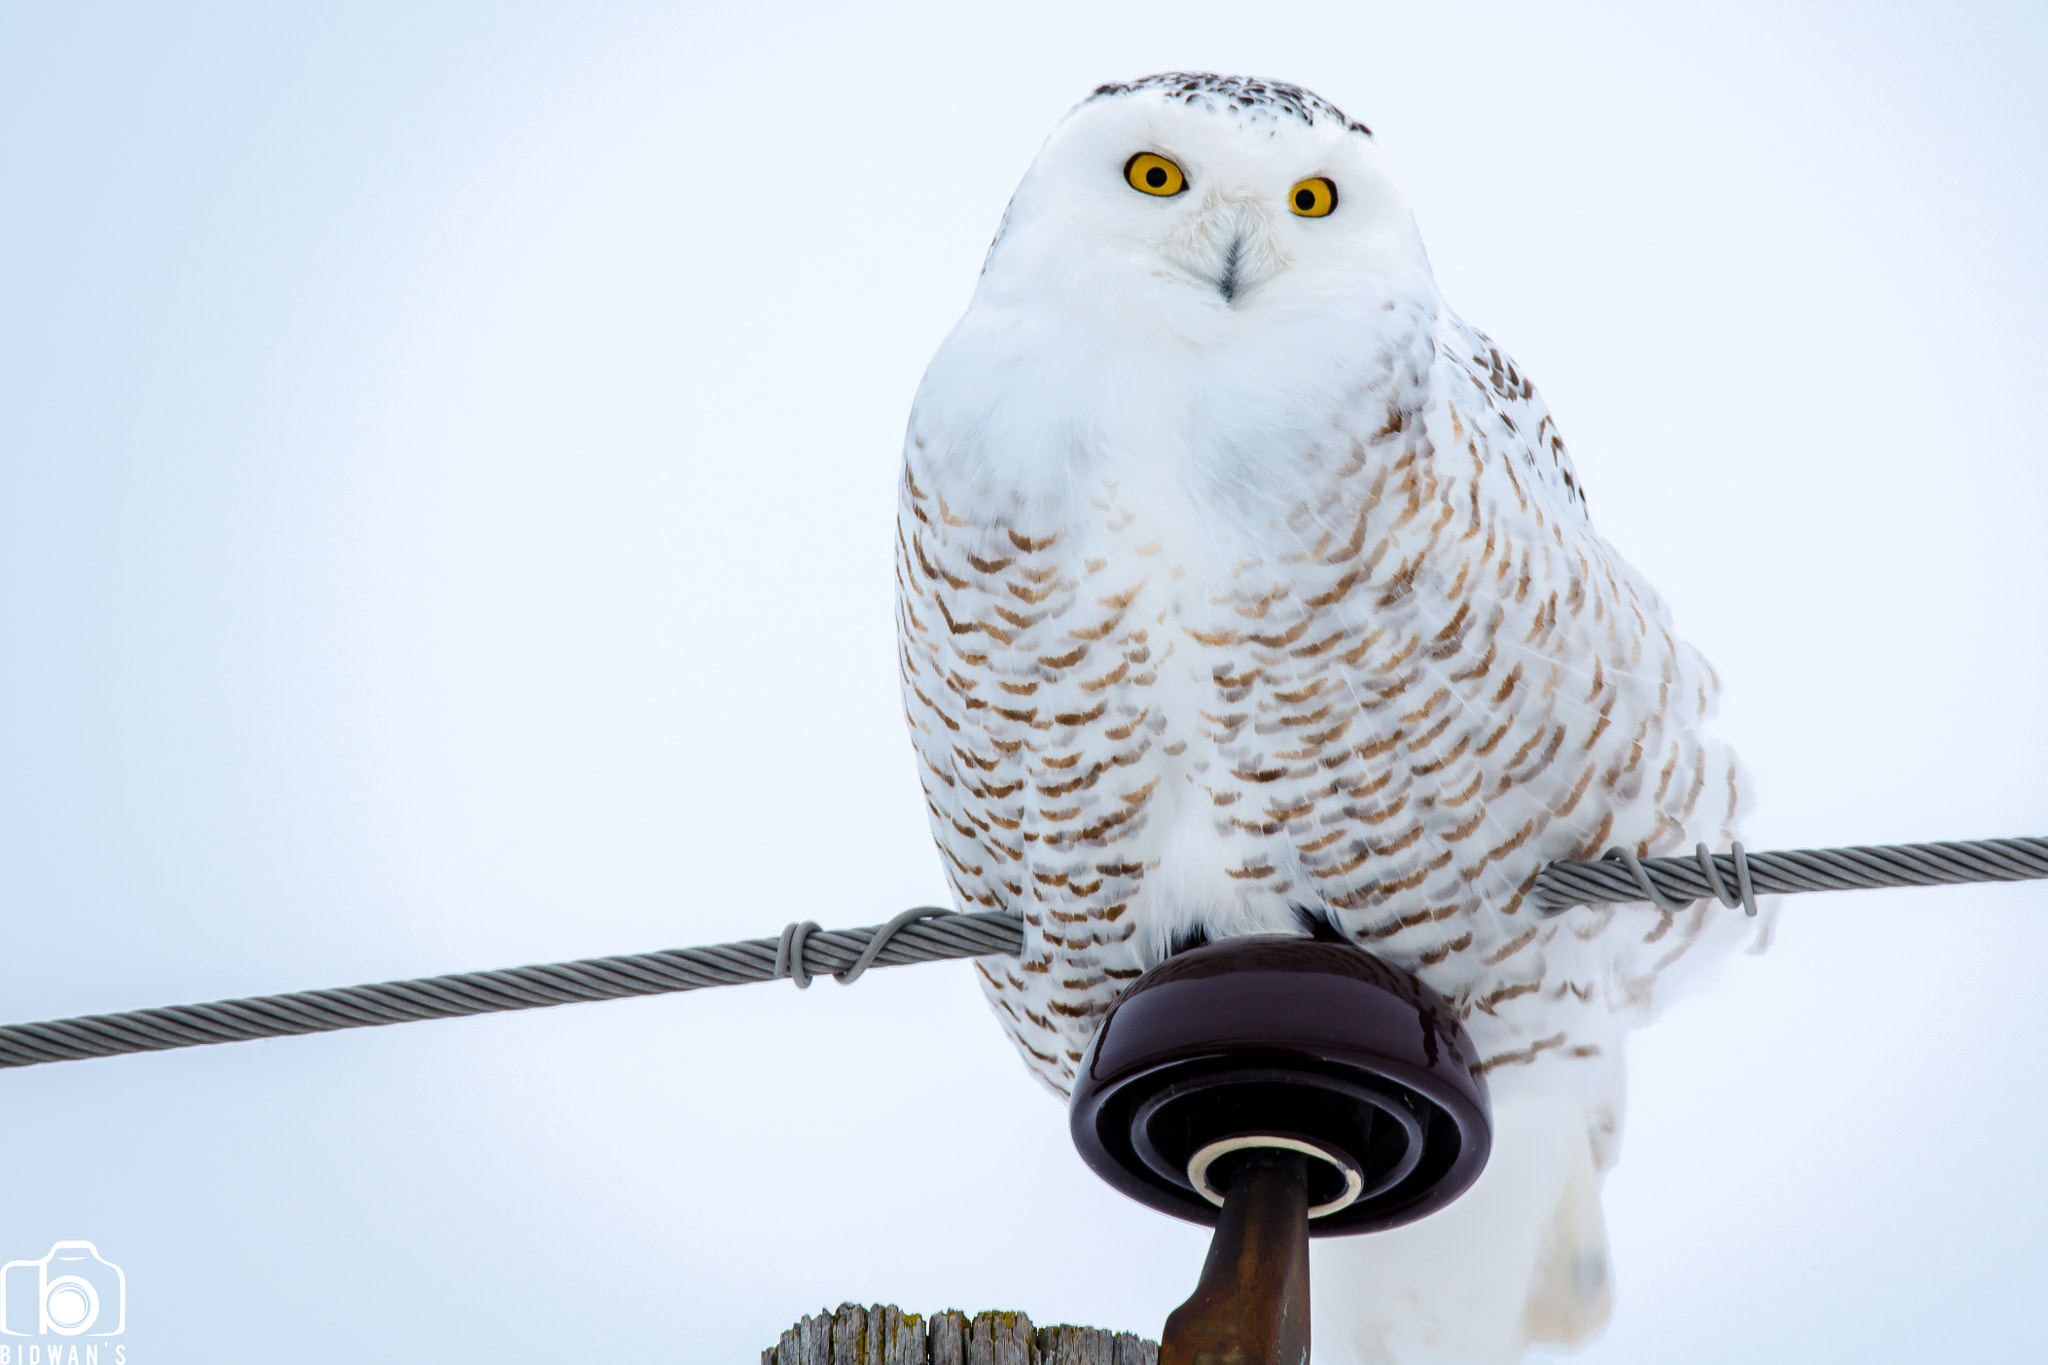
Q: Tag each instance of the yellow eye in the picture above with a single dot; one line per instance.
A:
(1313, 198)
(1152, 174)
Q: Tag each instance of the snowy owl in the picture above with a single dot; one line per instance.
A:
(1243, 588)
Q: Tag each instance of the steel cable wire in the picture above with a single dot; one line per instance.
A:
(803, 950)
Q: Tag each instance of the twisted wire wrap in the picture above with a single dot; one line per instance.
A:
(1674, 882)
(928, 934)
(1656, 895)
(796, 936)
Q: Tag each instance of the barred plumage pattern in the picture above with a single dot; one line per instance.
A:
(1388, 702)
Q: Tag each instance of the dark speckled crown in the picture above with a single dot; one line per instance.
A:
(1204, 90)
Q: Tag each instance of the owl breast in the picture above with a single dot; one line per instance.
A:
(1372, 673)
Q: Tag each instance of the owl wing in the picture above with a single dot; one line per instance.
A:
(1501, 401)
(1514, 692)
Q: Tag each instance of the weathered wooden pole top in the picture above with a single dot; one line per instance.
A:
(886, 1335)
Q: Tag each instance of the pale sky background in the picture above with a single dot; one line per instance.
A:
(447, 461)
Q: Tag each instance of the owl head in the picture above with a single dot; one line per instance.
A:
(1209, 204)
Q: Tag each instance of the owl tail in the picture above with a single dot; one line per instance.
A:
(1519, 1261)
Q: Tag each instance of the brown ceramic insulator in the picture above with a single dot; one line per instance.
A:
(1318, 1045)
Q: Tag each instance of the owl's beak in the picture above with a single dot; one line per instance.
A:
(1228, 243)
(1247, 253)
(1233, 256)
